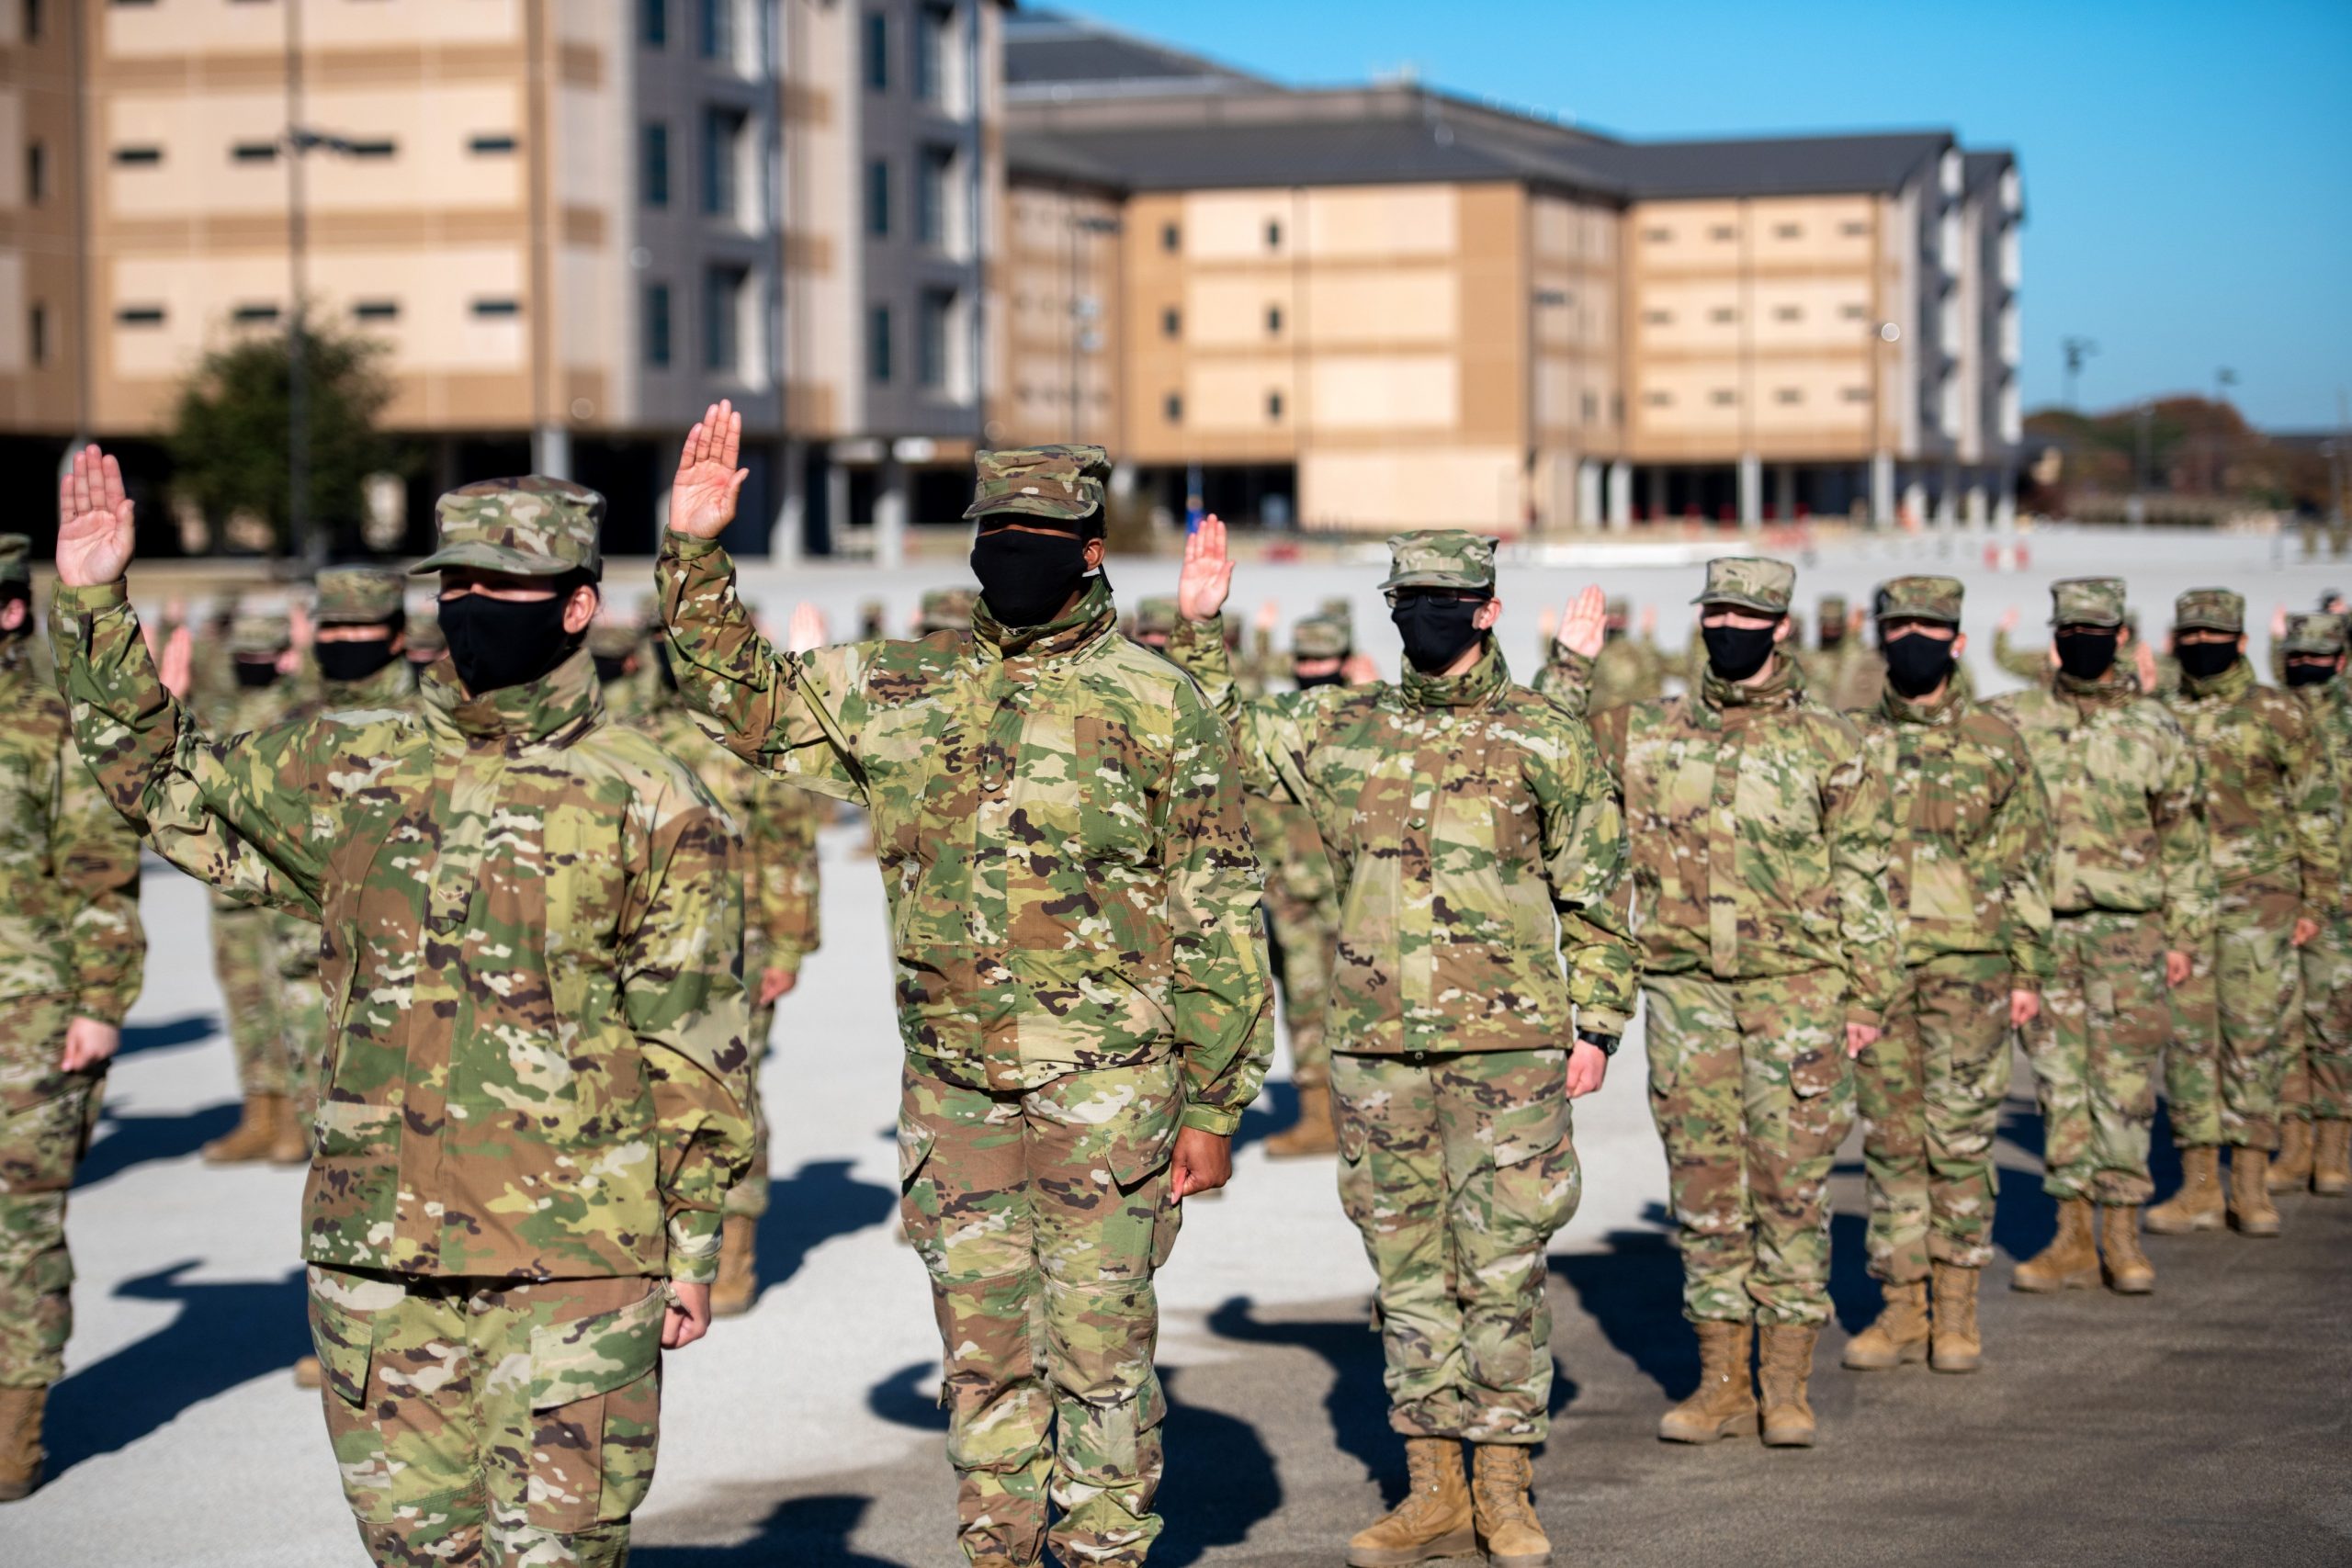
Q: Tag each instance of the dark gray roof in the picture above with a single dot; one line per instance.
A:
(1050, 55)
(1780, 166)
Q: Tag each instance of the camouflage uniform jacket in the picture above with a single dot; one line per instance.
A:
(1760, 834)
(536, 1064)
(2268, 800)
(1971, 832)
(1058, 823)
(70, 865)
(392, 689)
(1477, 842)
(2329, 711)
(2123, 785)
(779, 826)
(1629, 669)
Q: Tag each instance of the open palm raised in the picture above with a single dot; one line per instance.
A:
(1207, 576)
(94, 527)
(702, 498)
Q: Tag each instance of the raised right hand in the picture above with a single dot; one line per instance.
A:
(1585, 626)
(93, 523)
(1207, 576)
(805, 632)
(702, 498)
(176, 669)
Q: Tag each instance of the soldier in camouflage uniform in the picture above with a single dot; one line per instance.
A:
(2269, 808)
(246, 950)
(946, 610)
(778, 823)
(71, 950)
(1760, 839)
(1483, 977)
(1844, 671)
(1082, 990)
(1629, 667)
(535, 1100)
(424, 639)
(2130, 897)
(2317, 1090)
(1967, 886)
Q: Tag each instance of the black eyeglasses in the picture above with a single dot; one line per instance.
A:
(1444, 595)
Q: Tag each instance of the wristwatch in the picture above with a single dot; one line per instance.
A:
(1608, 1042)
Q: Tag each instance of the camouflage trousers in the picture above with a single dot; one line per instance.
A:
(2093, 1051)
(1041, 1216)
(1303, 932)
(2193, 1056)
(2222, 1083)
(245, 960)
(1751, 1095)
(2318, 1081)
(45, 1118)
(503, 1423)
(1930, 1091)
(1457, 1171)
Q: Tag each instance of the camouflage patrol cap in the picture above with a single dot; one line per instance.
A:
(1156, 617)
(1441, 558)
(16, 558)
(358, 595)
(1831, 609)
(1920, 599)
(1338, 608)
(1750, 582)
(2209, 610)
(533, 526)
(1061, 484)
(1321, 636)
(1619, 608)
(2087, 601)
(946, 610)
(613, 639)
(2314, 633)
(260, 633)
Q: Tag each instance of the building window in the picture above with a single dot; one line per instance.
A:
(877, 51)
(656, 173)
(1789, 395)
(1656, 317)
(1171, 322)
(492, 141)
(719, 29)
(1273, 320)
(35, 171)
(654, 23)
(37, 329)
(931, 321)
(140, 316)
(1273, 235)
(376, 309)
(1856, 394)
(33, 21)
(253, 315)
(931, 34)
(1787, 231)
(135, 157)
(1788, 313)
(1173, 406)
(1657, 400)
(935, 179)
(722, 142)
(1854, 230)
(1854, 313)
(1274, 405)
(1723, 232)
(494, 309)
(878, 344)
(1723, 397)
(1170, 238)
(877, 198)
(1657, 236)
(722, 315)
(1591, 408)
(1722, 313)
(379, 147)
(254, 151)
(657, 326)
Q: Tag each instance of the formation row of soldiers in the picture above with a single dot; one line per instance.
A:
(535, 1099)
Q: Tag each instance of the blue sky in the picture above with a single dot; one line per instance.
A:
(2187, 166)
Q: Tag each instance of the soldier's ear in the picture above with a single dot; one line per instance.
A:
(1094, 549)
(1488, 614)
(1781, 630)
(13, 613)
(1959, 643)
(580, 609)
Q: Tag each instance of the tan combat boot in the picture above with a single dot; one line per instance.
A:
(1509, 1533)
(1725, 1403)
(1311, 1133)
(2071, 1261)
(291, 1141)
(2198, 1205)
(1900, 1335)
(308, 1373)
(2332, 1159)
(738, 1285)
(1784, 1367)
(1957, 1348)
(1432, 1521)
(2251, 1209)
(2129, 1273)
(2291, 1171)
(251, 1139)
(20, 1451)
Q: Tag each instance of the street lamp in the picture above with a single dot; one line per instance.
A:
(1083, 309)
(1887, 333)
(2077, 350)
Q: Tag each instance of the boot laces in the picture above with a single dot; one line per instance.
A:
(1503, 1499)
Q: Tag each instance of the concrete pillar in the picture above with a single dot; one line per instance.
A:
(551, 451)
(1620, 494)
(1784, 491)
(1882, 488)
(1914, 499)
(889, 515)
(1977, 510)
(1588, 493)
(2004, 503)
(1657, 492)
(1948, 498)
(1751, 490)
(836, 502)
(791, 529)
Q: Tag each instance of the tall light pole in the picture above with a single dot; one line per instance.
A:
(298, 142)
(2077, 350)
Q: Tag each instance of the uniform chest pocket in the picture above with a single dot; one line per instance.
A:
(1776, 800)
(1120, 778)
(571, 859)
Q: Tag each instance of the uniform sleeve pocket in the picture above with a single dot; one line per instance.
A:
(595, 1414)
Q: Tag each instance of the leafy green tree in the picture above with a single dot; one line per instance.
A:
(230, 440)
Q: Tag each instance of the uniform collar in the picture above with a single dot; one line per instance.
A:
(1085, 624)
(2231, 682)
(557, 707)
(391, 686)
(1469, 689)
(1781, 689)
(1907, 710)
(2118, 685)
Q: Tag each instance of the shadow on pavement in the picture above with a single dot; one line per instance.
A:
(225, 1333)
(1272, 1111)
(908, 1397)
(126, 1141)
(809, 1208)
(813, 1530)
(187, 1030)
(1357, 1403)
(1633, 1290)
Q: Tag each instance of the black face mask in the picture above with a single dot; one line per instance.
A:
(347, 662)
(1027, 578)
(610, 667)
(1308, 683)
(1612, 634)
(2085, 655)
(1830, 640)
(2310, 672)
(254, 674)
(498, 643)
(1916, 662)
(1435, 630)
(1734, 653)
(2203, 660)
